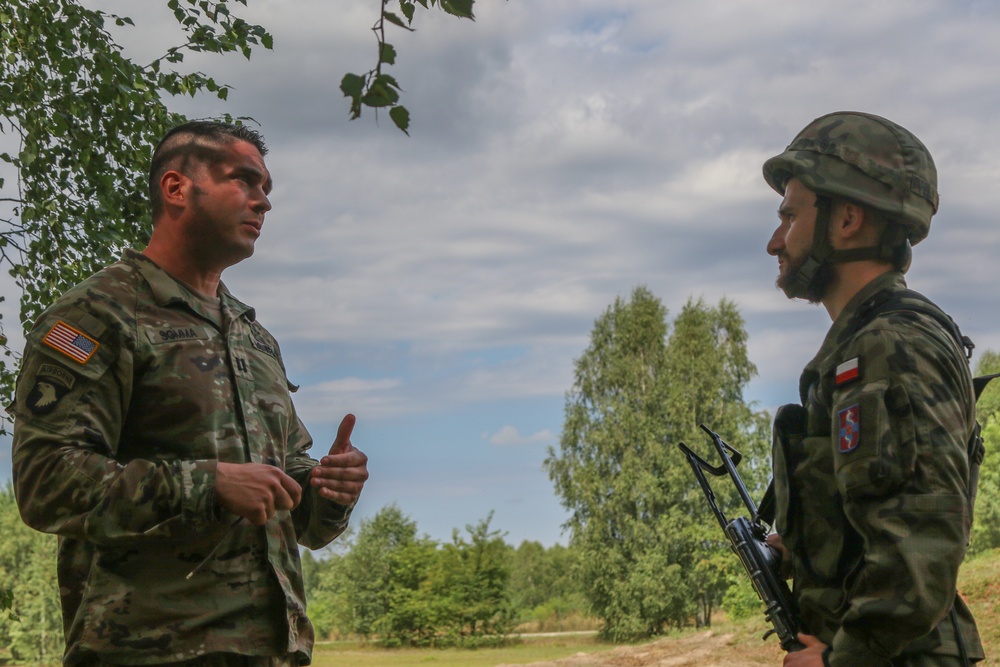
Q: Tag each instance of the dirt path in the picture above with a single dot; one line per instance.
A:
(704, 649)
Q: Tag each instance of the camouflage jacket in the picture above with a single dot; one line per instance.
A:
(871, 481)
(130, 390)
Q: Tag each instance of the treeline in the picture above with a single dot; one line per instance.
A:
(398, 588)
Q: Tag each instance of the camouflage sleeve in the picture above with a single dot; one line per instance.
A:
(903, 481)
(68, 410)
(318, 521)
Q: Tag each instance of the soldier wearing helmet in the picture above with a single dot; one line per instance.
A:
(871, 470)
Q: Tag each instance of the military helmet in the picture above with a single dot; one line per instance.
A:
(865, 159)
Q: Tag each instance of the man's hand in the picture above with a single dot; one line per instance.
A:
(810, 656)
(255, 491)
(341, 474)
(774, 541)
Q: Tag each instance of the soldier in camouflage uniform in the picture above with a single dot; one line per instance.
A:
(155, 434)
(871, 471)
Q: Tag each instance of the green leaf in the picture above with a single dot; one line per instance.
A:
(460, 8)
(395, 20)
(401, 117)
(380, 96)
(386, 80)
(407, 8)
(388, 55)
(352, 85)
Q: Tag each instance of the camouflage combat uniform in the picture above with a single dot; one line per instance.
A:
(871, 480)
(131, 389)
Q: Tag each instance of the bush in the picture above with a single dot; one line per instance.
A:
(740, 601)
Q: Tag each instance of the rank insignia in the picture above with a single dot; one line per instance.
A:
(850, 428)
(51, 384)
(847, 371)
(76, 345)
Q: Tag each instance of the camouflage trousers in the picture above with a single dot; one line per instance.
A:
(216, 660)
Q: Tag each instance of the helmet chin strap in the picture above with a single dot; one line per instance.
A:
(894, 247)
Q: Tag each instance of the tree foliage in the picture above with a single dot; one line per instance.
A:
(376, 89)
(651, 554)
(470, 583)
(986, 528)
(400, 589)
(31, 629)
(545, 589)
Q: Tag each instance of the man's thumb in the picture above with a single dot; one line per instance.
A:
(343, 440)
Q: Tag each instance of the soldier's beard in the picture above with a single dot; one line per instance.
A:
(788, 280)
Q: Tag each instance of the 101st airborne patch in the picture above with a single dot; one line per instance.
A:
(51, 384)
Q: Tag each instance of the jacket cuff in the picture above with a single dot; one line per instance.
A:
(198, 503)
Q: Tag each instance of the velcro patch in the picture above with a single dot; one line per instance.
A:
(848, 371)
(850, 428)
(51, 384)
(259, 343)
(75, 344)
(173, 334)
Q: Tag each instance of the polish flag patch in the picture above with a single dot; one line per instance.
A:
(847, 371)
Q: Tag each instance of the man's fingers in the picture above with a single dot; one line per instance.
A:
(342, 442)
(292, 491)
(349, 466)
(255, 490)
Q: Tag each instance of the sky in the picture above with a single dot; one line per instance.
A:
(562, 153)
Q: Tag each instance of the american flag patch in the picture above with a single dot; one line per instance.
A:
(74, 344)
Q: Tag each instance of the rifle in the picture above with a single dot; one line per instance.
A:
(747, 539)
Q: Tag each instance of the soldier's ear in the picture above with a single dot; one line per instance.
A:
(847, 220)
(173, 188)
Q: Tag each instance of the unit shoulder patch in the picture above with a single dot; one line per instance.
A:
(51, 384)
(849, 420)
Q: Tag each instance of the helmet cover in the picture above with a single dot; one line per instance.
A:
(865, 159)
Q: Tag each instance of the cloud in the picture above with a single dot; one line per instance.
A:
(509, 436)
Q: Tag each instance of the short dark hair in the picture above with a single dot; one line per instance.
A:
(198, 142)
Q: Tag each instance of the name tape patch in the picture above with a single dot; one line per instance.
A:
(174, 334)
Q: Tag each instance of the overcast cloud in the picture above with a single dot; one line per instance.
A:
(563, 152)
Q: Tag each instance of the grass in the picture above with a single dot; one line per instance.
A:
(979, 583)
